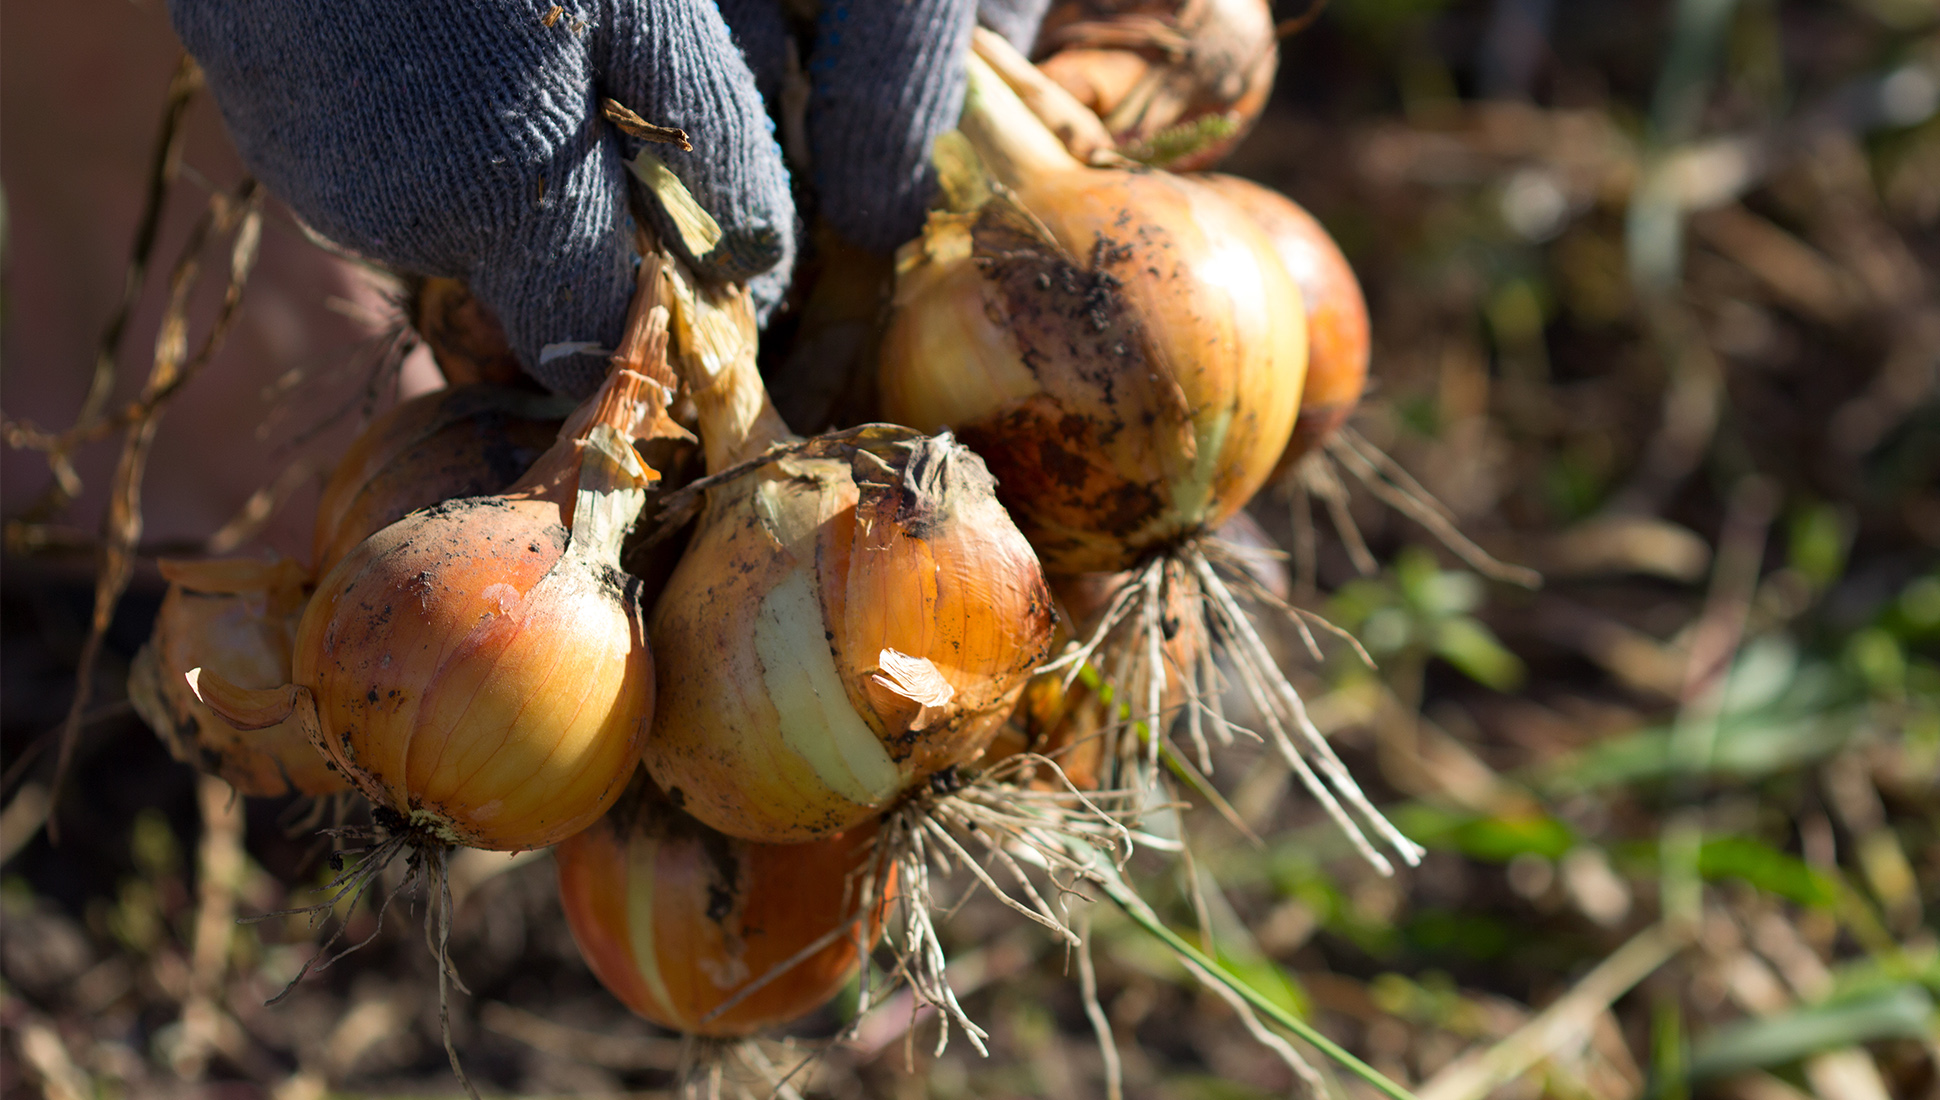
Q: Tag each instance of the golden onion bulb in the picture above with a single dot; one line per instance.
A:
(479, 668)
(237, 616)
(466, 340)
(854, 614)
(1338, 336)
(710, 935)
(1123, 348)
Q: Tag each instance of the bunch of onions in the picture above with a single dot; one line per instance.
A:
(855, 613)
(711, 935)
(237, 616)
(1337, 369)
(1127, 351)
(1177, 82)
(462, 441)
(479, 669)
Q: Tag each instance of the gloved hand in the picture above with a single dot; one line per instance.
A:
(462, 137)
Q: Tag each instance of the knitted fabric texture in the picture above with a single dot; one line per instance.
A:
(886, 79)
(461, 138)
(1016, 20)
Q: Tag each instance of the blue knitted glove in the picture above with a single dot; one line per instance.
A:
(462, 138)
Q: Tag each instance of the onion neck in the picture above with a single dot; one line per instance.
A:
(630, 404)
(715, 339)
(1014, 143)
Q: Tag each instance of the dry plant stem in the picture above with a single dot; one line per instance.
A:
(219, 864)
(1095, 1012)
(1397, 488)
(1476, 1074)
(241, 215)
(164, 164)
(1720, 628)
(608, 1051)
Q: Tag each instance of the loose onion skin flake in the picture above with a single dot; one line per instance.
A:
(709, 935)
(1123, 348)
(237, 616)
(1337, 321)
(854, 614)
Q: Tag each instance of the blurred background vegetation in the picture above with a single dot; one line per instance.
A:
(1656, 301)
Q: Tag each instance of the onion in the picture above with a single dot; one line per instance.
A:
(1124, 348)
(1337, 324)
(467, 342)
(854, 615)
(709, 935)
(1337, 367)
(1177, 82)
(464, 441)
(1127, 351)
(237, 616)
(479, 669)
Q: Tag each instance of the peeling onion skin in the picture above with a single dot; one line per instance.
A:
(1131, 382)
(675, 918)
(1337, 323)
(237, 617)
(776, 718)
(463, 441)
(443, 688)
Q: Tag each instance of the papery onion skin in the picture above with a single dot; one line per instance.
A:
(675, 918)
(785, 711)
(1127, 394)
(237, 617)
(451, 689)
(463, 441)
(1338, 334)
